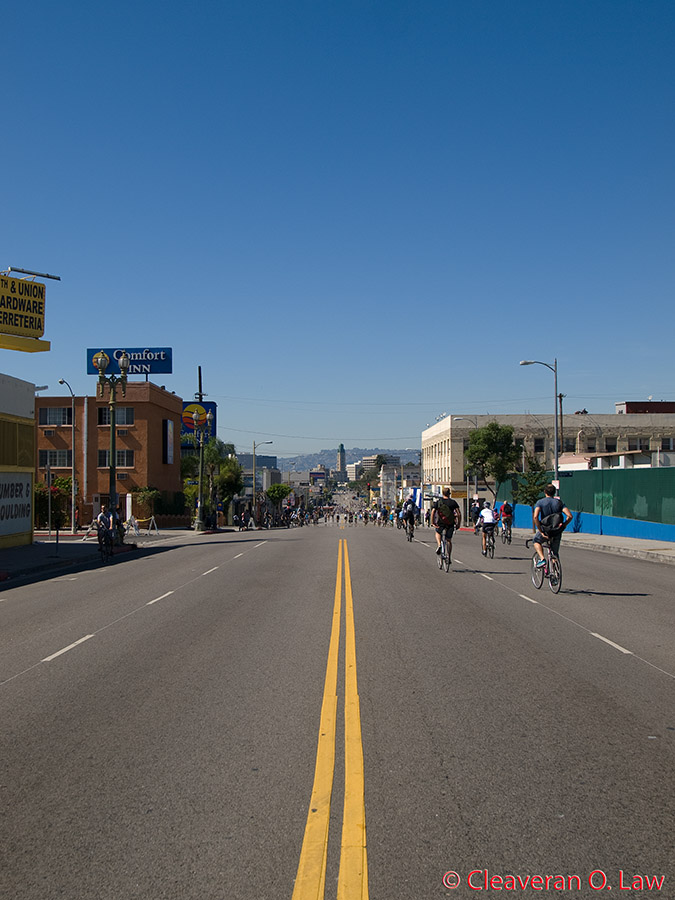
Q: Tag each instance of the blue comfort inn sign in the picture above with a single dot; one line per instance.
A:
(144, 360)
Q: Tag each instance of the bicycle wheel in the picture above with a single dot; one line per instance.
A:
(441, 555)
(554, 574)
(446, 559)
(504, 535)
(537, 573)
(491, 545)
(509, 534)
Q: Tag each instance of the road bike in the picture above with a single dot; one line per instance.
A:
(506, 532)
(410, 530)
(444, 560)
(490, 542)
(552, 569)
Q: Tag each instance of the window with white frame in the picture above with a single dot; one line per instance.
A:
(124, 415)
(123, 459)
(668, 443)
(638, 443)
(55, 459)
(55, 415)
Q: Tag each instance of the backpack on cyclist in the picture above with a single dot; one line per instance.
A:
(445, 513)
(551, 524)
(506, 509)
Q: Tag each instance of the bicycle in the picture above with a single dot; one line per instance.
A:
(506, 532)
(490, 542)
(410, 530)
(444, 556)
(105, 545)
(552, 569)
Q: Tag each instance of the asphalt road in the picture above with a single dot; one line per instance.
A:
(161, 719)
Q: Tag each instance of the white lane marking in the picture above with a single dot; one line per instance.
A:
(612, 644)
(260, 544)
(459, 561)
(208, 572)
(157, 599)
(528, 598)
(237, 556)
(482, 575)
(66, 649)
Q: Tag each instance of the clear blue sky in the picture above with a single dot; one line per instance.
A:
(353, 215)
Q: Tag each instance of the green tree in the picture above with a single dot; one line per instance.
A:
(492, 454)
(230, 479)
(146, 498)
(529, 487)
(216, 453)
(277, 493)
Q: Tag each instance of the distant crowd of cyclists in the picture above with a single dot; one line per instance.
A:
(550, 519)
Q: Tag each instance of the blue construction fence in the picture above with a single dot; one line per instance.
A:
(636, 503)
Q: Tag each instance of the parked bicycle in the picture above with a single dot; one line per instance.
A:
(552, 568)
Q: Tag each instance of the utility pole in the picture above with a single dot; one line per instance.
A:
(562, 433)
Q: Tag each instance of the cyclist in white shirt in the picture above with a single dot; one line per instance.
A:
(488, 520)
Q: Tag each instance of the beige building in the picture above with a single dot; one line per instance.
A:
(615, 439)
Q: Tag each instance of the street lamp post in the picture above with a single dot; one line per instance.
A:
(254, 508)
(72, 456)
(112, 381)
(554, 369)
(200, 430)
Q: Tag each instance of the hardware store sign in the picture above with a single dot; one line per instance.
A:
(15, 502)
(22, 307)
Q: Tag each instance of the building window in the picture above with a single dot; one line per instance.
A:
(539, 445)
(124, 415)
(590, 445)
(569, 445)
(56, 459)
(55, 415)
(610, 445)
(667, 444)
(125, 459)
(638, 443)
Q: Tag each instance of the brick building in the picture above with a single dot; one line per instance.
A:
(147, 445)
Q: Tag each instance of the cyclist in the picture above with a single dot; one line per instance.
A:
(551, 517)
(487, 519)
(506, 516)
(410, 513)
(446, 516)
(104, 524)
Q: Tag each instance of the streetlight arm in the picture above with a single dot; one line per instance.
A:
(536, 362)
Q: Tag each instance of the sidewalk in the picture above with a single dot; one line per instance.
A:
(47, 558)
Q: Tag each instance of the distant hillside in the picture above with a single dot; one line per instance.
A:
(328, 458)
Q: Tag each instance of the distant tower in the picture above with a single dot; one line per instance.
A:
(341, 459)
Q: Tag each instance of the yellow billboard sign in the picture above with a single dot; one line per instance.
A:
(22, 307)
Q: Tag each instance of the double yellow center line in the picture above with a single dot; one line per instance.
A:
(310, 881)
